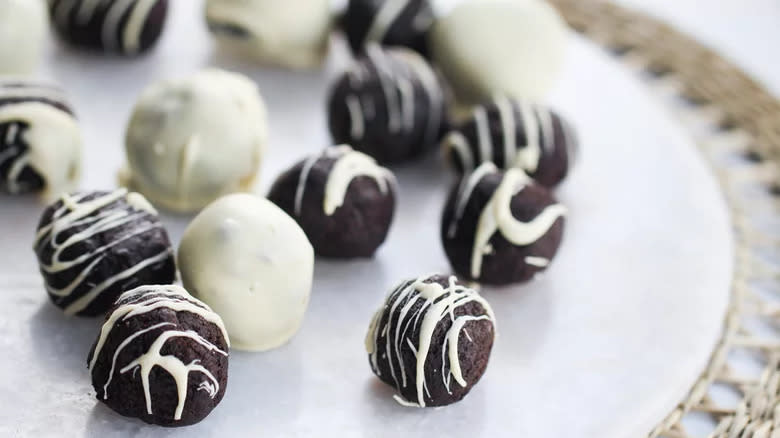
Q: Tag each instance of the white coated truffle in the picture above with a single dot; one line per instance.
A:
(23, 28)
(40, 140)
(192, 140)
(288, 33)
(488, 48)
(253, 265)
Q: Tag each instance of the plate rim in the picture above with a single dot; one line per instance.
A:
(729, 115)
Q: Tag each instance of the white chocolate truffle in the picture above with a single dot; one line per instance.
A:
(488, 48)
(252, 263)
(23, 28)
(192, 140)
(288, 33)
(40, 140)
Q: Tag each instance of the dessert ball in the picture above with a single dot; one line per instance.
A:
(499, 47)
(501, 227)
(124, 27)
(92, 246)
(23, 28)
(161, 356)
(194, 139)
(513, 133)
(431, 340)
(389, 105)
(253, 265)
(40, 141)
(341, 198)
(388, 23)
(289, 33)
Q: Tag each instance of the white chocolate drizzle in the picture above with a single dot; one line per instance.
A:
(466, 188)
(384, 19)
(534, 122)
(146, 299)
(349, 164)
(437, 303)
(497, 217)
(93, 217)
(398, 72)
(539, 262)
(389, 87)
(356, 117)
(427, 77)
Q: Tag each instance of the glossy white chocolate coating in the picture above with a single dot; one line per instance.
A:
(491, 48)
(23, 30)
(194, 139)
(286, 33)
(253, 265)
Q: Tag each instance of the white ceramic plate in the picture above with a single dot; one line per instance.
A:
(603, 346)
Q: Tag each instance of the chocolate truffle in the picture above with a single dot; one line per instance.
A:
(492, 48)
(388, 23)
(501, 227)
(431, 340)
(341, 198)
(287, 33)
(24, 26)
(191, 140)
(389, 105)
(161, 356)
(40, 141)
(93, 246)
(253, 265)
(513, 133)
(124, 27)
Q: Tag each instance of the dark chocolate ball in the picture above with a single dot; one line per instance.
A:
(412, 340)
(389, 105)
(27, 106)
(116, 26)
(501, 227)
(342, 200)
(161, 356)
(93, 246)
(388, 23)
(512, 133)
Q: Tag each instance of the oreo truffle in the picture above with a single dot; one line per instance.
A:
(341, 198)
(431, 340)
(40, 141)
(501, 227)
(288, 33)
(23, 31)
(388, 23)
(92, 246)
(161, 356)
(191, 140)
(124, 27)
(492, 48)
(389, 105)
(513, 133)
(252, 263)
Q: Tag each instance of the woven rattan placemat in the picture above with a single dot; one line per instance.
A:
(736, 123)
